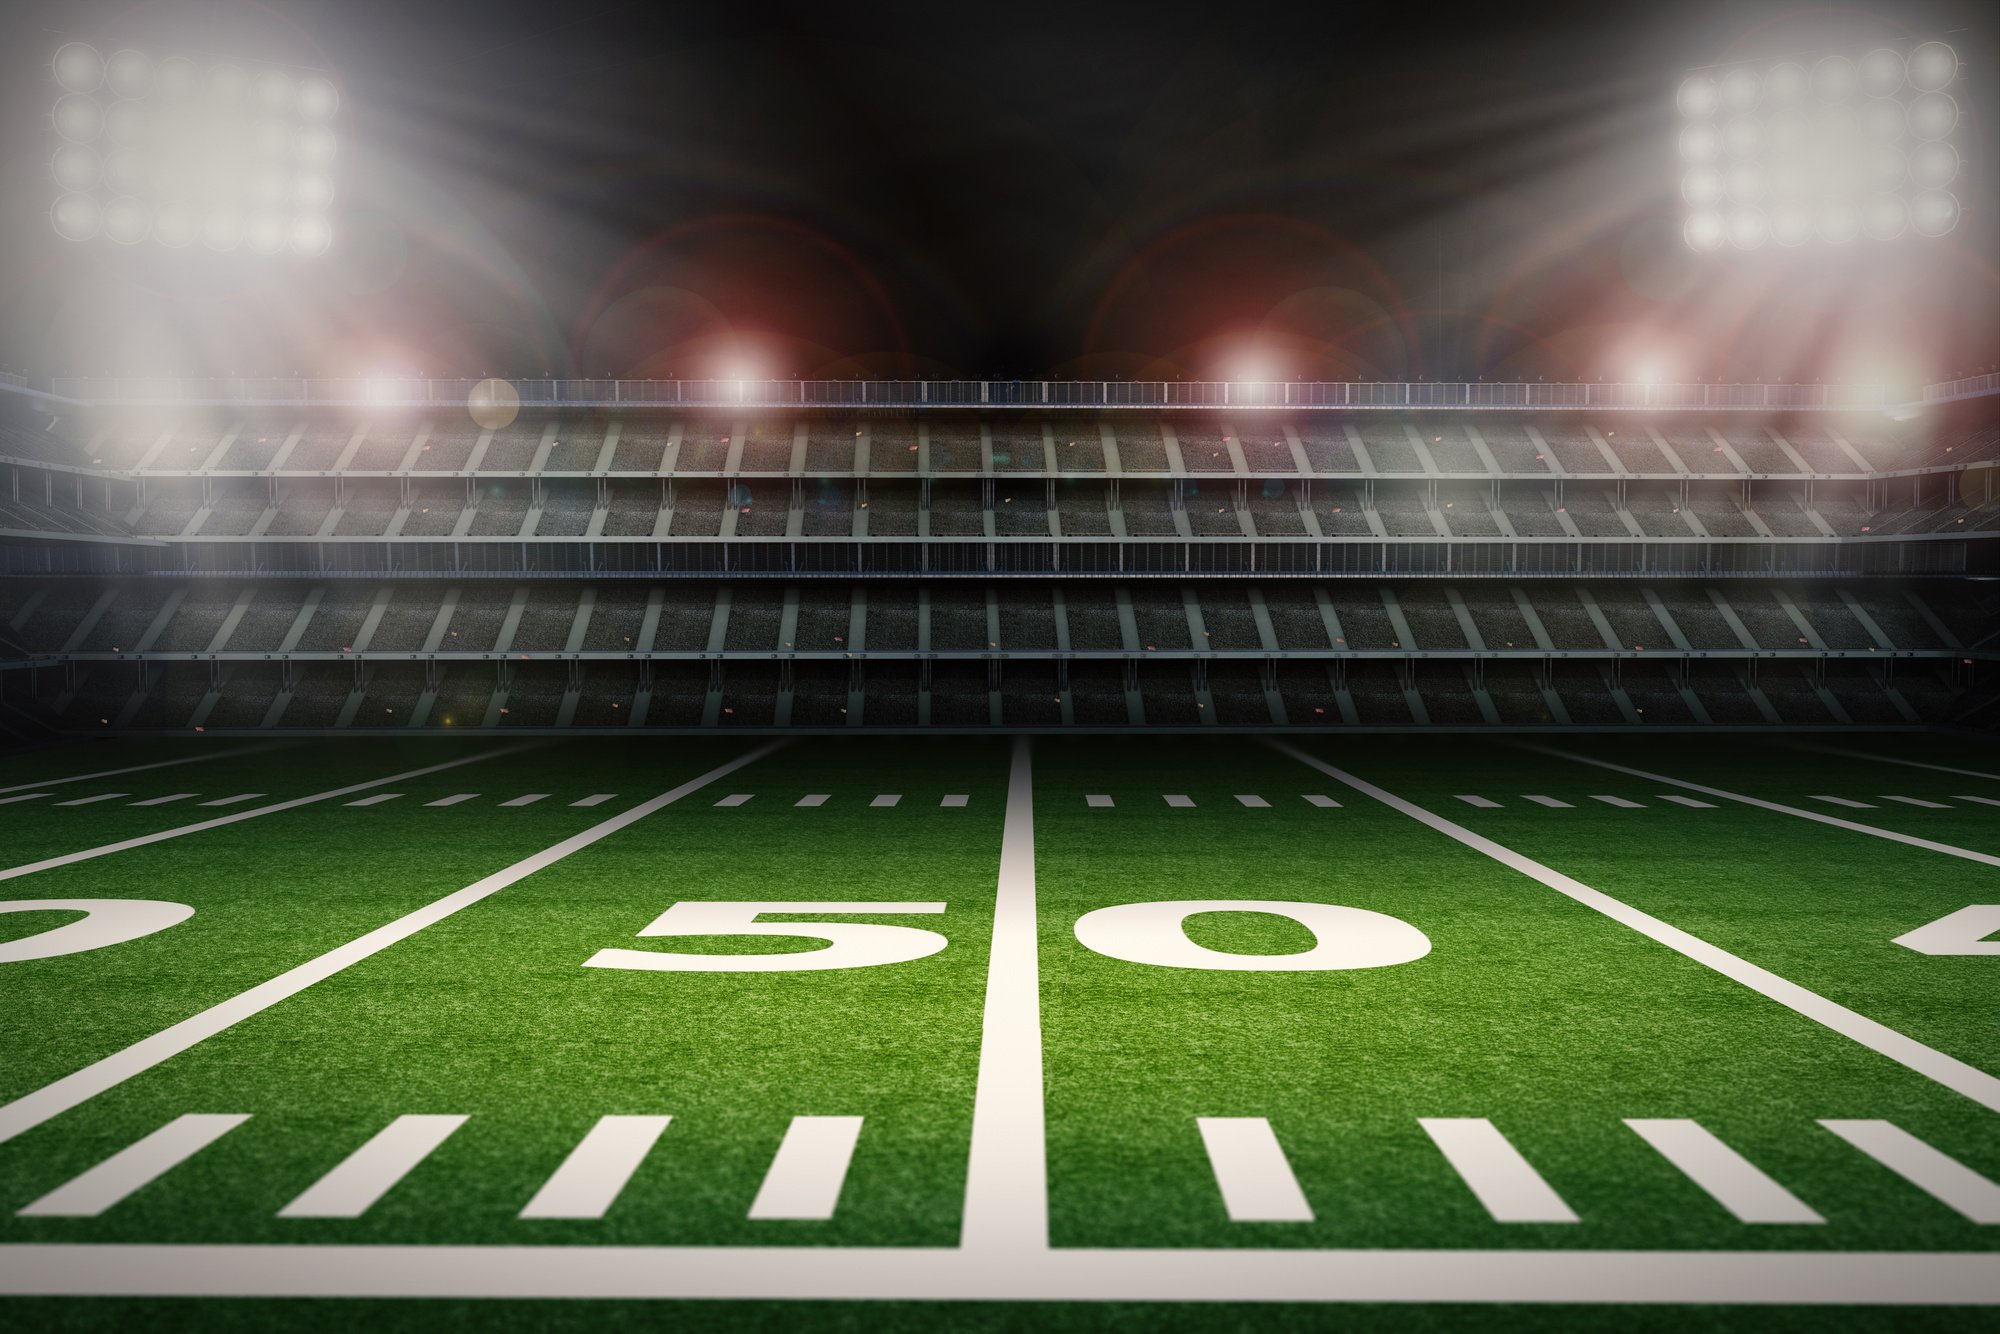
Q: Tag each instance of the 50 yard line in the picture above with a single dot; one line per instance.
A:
(51, 1100)
(1929, 1062)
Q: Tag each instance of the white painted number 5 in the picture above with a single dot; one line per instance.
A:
(851, 944)
(104, 922)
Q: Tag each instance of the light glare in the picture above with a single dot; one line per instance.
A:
(78, 67)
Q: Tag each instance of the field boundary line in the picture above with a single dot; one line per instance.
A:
(885, 1273)
(32, 1109)
(237, 753)
(1948, 1071)
(1929, 845)
(1891, 759)
(236, 817)
(1006, 1178)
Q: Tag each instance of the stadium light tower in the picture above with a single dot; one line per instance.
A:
(183, 155)
(1781, 153)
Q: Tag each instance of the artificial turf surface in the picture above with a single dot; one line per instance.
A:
(1530, 1010)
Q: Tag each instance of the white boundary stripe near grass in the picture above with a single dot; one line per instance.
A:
(32, 1109)
(1932, 1064)
(1978, 801)
(126, 845)
(1985, 858)
(1506, 1183)
(1937, 1174)
(1655, 1278)
(1006, 1180)
(1891, 759)
(142, 768)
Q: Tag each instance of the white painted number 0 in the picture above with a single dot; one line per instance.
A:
(1156, 933)
(851, 944)
(104, 922)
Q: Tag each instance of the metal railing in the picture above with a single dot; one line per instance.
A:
(1969, 387)
(1167, 395)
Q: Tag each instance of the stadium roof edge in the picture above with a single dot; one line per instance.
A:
(999, 395)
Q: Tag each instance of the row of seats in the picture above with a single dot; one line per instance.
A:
(1014, 694)
(1214, 508)
(1577, 443)
(234, 615)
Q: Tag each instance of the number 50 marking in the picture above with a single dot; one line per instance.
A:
(1147, 933)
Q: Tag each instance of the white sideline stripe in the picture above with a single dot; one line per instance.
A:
(956, 799)
(1918, 801)
(26, 796)
(1981, 801)
(124, 845)
(809, 1169)
(1694, 802)
(32, 1109)
(1481, 802)
(526, 799)
(133, 1167)
(1006, 1176)
(1098, 799)
(1325, 803)
(1654, 1278)
(735, 799)
(239, 797)
(595, 799)
(91, 801)
(887, 799)
(1620, 802)
(373, 1170)
(375, 800)
(1730, 1179)
(1251, 1171)
(1845, 801)
(812, 799)
(1180, 801)
(1937, 1174)
(1952, 1073)
(171, 796)
(453, 799)
(1550, 802)
(1254, 803)
(588, 1182)
(1494, 1170)
(142, 768)
(1891, 759)
(1910, 839)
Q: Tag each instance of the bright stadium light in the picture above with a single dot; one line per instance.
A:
(217, 156)
(1849, 146)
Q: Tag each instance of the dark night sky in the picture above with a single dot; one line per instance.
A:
(1342, 191)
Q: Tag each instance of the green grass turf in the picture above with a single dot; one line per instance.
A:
(1531, 1010)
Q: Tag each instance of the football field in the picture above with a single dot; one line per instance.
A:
(1151, 1032)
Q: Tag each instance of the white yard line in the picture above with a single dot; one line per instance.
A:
(32, 1109)
(595, 799)
(373, 1170)
(1932, 1064)
(1655, 1278)
(26, 796)
(133, 1167)
(590, 1179)
(1891, 759)
(452, 800)
(1322, 801)
(1493, 1169)
(142, 768)
(1985, 858)
(125, 845)
(1938, 1175)
(167, 800)
(92, 801)
(1730, 1179)
(805, 1177)
(1006, 1180)
(1251, 1170)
